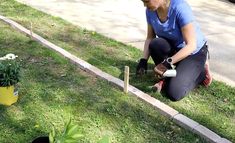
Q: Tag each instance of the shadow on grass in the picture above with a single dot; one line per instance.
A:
(102, 102)
(52, 89)
(13, 124)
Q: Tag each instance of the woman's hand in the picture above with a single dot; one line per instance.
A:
(142, 67)
(160, 69)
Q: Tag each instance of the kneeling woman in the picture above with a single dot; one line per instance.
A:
(179, 42)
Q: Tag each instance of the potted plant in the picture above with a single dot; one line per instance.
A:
(9, 77)
(69, 135)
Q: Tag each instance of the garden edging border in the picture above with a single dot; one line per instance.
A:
(164, 109)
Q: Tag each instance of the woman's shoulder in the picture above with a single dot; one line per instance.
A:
(178, 5)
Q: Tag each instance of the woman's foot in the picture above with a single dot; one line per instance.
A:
(158, 86)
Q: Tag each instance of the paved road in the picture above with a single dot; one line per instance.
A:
(124, 20)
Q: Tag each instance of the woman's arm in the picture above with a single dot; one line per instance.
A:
(150, 35)
(189, 36)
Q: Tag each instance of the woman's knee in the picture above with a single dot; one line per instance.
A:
(159, 45)
(176, 92)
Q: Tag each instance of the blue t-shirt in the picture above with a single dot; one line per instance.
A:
(179, 14)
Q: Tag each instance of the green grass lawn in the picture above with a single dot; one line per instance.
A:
(52, 90)
(213, 107)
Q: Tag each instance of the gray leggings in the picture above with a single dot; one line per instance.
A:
(190, 71)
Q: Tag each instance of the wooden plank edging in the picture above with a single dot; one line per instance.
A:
(164, 109)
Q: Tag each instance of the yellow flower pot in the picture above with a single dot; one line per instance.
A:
(8, 96)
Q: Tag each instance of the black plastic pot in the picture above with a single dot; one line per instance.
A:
(233, 1)
(41, 140)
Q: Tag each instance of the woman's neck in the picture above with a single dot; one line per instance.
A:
(163, 9)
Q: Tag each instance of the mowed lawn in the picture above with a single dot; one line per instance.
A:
(52, 90)
(213, 107)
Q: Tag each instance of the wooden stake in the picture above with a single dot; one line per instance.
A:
(31, 30)
(126, 79)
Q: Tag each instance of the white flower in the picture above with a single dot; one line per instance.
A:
(9, 57)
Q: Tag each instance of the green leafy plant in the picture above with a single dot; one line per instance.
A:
(69, 135)
(9, 70)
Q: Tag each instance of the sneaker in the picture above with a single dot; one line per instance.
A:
(208, 79)
(158, 86)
